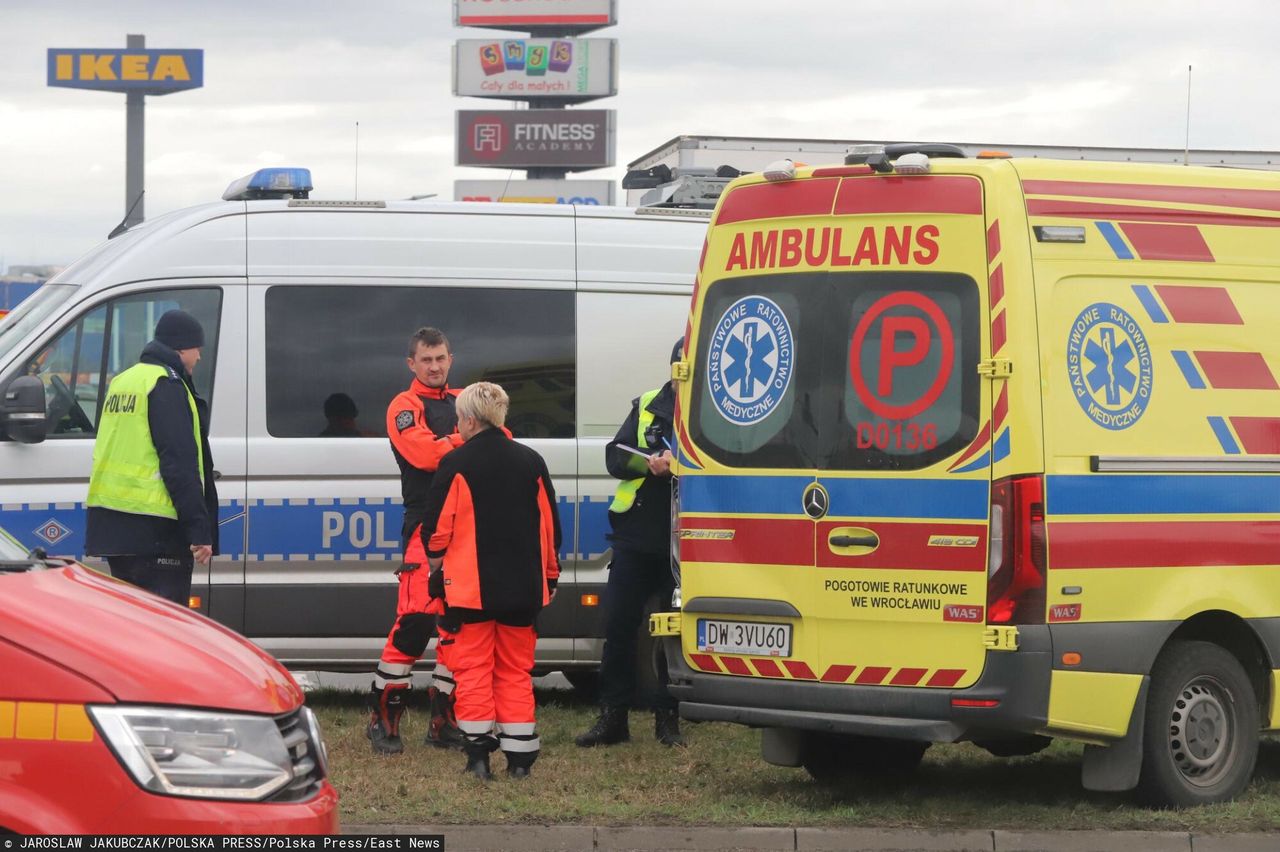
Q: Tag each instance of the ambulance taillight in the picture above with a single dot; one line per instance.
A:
(1016, 559)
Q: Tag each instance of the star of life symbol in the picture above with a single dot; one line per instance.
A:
(1109, 365)
(750, 360)
(52, 531)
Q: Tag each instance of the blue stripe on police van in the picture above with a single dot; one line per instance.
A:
(296, 529)
(1189, 371)
(1113, 238)
(1161, 494)
(1150, 303)
(1224, 436)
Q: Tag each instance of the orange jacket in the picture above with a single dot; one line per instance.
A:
(423, 427)
(491, 514)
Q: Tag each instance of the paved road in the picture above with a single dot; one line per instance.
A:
(543, 838)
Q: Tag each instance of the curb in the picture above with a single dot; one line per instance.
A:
(551, 838)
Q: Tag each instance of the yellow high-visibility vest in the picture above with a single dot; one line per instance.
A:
(625, 497)
(126, 466)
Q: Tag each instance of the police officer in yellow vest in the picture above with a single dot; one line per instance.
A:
(640, 517)
(153, 507)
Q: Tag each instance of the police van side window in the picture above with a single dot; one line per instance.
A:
(335, 356)
(79, 363)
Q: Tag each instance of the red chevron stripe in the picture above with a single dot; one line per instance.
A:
(984, 438)
(735, 665)
(993, 241)
(1001, 410)
(946, 677)
(1259, 435)
(998, 333)
(996, 285)
(1237, 370)
(1167, 242)
(706, 662)
(837, 674)
(799, 670)
(766, 667)
(872, 675)
(1208, 305)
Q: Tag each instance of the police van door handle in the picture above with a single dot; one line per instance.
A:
(852, 541)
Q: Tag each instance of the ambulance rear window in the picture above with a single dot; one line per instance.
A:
(838, 370)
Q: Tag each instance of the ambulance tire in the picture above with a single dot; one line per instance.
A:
(841, 758)
(1200, 689)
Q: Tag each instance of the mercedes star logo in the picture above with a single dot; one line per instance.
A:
(816, 501)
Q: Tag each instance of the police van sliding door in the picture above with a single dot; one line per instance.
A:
(906, 451)
(325, 508)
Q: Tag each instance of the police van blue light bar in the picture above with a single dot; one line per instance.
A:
(270, 183)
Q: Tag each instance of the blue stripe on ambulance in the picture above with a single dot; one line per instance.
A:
(1160, 494)
(865, 497)
(1113, 238)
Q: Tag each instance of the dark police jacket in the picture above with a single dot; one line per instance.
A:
(646, 526)
(112, 533)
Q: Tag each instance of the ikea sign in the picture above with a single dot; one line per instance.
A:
(150, 72)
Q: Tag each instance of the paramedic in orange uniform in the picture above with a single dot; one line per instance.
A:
(492, 537)
(422, 425)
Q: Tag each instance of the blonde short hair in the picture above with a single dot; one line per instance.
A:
(484, 401)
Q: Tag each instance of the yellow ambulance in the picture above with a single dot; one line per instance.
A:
(985, 450)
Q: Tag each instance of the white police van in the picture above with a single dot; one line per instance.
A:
(308, 306)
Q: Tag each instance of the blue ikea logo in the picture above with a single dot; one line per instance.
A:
(151, 72)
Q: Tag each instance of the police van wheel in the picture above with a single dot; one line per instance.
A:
(837, 758)
(1200, 741)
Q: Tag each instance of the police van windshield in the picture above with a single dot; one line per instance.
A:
(838, 370)
(32, 313)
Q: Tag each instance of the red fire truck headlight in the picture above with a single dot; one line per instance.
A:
(196, 753)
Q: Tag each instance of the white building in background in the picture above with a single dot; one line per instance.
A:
(750, 154)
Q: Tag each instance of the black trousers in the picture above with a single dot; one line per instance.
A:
(633, 578)
(167, 576)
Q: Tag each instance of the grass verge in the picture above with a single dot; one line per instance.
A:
(721, 780)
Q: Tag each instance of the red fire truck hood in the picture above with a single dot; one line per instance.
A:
(141, 649)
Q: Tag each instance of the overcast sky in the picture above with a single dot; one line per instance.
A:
(286, 81)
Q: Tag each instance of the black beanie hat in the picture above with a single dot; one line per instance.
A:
(677, 350)
(179, 330)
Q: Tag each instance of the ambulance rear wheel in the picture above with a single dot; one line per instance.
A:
(1200, 741)
(835, 758)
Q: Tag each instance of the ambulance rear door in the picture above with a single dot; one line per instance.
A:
(904, 452)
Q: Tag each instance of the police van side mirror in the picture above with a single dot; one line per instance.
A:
(22, 410)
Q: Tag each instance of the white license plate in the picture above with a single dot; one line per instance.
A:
(744, 637)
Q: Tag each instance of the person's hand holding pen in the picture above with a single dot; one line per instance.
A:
(660, 463)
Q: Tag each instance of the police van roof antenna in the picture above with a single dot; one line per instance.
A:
(124, 223)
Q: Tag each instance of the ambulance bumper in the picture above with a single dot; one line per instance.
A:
(1018, 680)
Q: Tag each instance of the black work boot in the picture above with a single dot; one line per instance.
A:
(666, 727)
(443, 731)
(386, 706)
(519, 763)
(478, 750)
(610, 728)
